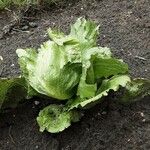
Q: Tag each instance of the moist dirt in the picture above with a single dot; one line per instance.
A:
(125, 28)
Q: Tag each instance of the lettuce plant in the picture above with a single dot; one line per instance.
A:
(74, 69)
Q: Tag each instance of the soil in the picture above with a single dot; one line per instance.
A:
(125, 28)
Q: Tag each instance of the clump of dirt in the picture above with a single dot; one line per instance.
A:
(125, 29)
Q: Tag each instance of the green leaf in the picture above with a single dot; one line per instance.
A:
(50, 71)
(55, 34)
(26, 61)
(135, 90)
(85, 31)
(97, 63)
(54, 119)
(105, 67)
(107, 85)
(60, 38)
(12, 91)
(88, 86)
(4, 3)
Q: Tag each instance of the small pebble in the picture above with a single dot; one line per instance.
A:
(104, 113)
(12, 65)
(33, 24)
(36, 102)
(142, 114)
(25, 28)
(36, 146)
(129, 12)
(1, 58)
(87, 129)
(98, 114)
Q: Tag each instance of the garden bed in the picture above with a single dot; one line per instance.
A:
(125, 28)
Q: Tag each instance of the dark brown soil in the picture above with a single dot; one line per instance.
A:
(125, 28)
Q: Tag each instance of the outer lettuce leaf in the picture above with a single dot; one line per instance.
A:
(107, 85)
(83, 32)
(12, 91)
(56, 36)
(135, 90)
(97, 62)
(54, 119)
(60, 38)
(108, 67)
(50, 72)
(87, 85)
(27, 61)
